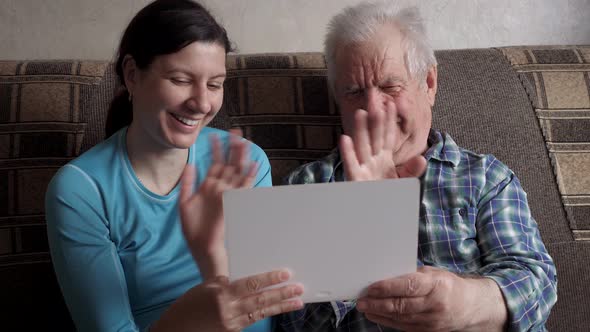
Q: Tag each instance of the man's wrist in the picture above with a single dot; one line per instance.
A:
(488, 309)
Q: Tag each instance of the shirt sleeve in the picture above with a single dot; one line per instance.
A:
(264, 174)
(514, 256)
(84, 257)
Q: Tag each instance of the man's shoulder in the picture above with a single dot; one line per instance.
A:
(318, 171)
(448, 150)
(484, 165)
(486, 161)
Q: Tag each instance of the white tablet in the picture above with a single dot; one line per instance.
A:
(335, 238)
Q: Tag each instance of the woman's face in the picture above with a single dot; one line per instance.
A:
(177, 95)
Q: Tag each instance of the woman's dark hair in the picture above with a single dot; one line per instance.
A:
(162, 27)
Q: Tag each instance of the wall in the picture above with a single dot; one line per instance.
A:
(90, 29)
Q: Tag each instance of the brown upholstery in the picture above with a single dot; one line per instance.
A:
(529, 106)
(44, 120)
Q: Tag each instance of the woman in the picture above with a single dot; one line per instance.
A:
(124, 233)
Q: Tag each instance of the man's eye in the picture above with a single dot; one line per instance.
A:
(392, 88)
(353, 93)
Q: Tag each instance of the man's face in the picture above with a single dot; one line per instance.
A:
(372, 76)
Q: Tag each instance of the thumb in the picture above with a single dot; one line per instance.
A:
(414, 167)
(237, 132)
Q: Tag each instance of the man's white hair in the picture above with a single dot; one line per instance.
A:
(360, 23)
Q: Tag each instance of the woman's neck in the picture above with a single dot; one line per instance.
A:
(157, 167)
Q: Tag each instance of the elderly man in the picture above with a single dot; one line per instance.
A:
(482, 263)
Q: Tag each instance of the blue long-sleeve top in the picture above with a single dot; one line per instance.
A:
(117, 248)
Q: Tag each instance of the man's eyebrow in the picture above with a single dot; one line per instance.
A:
(393, 80)
(352, 87)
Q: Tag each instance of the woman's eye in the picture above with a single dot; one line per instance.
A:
(180, 81)
(215, 86)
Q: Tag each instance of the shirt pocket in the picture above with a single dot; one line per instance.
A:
(448, 239)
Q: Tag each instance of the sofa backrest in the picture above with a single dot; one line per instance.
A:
(557, 81)
(528, 106)
(49, 110)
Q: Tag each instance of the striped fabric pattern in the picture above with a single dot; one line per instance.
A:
(40, 130)
(44, 109)
(557, 80)
(282, 102)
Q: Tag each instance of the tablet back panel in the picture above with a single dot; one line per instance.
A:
(336, 238)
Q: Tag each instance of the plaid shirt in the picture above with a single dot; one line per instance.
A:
(474, 219)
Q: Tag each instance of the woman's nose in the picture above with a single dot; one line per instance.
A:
(199, 100)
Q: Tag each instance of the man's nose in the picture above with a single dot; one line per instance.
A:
(374, 102)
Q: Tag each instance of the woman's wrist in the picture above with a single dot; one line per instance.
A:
(180, 316)
(212, 264)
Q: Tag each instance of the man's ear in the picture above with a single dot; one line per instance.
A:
(431, 84)
(130, 73)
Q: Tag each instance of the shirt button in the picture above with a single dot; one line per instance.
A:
(462, 212)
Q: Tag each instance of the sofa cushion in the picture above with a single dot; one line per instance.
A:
(558, 84)
(572, 312)
(282, 102)
(40, 130)
(43, 111)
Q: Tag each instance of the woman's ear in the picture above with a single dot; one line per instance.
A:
(130, 73)
(431, 84)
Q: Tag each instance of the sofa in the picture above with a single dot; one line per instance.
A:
(529, 106)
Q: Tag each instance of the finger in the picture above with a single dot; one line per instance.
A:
(351, 162)
(269, 297)
(376, 130)
(227, 178)
(273, 310)
(213, 175)
(361, 140)
(390, 323)
(385, 321)
(391, 128)
(411, 322)
(216, 149)
(187, 182)
(253, 284)
(250, 177)
(414, 167)
(237, 132)
(238, 153)
(394, 305)
(410, 285)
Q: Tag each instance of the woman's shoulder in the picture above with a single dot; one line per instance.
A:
(101, 157)
(87, 170)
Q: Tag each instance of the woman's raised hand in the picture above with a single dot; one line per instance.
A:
(216, 304)
(201, 211)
